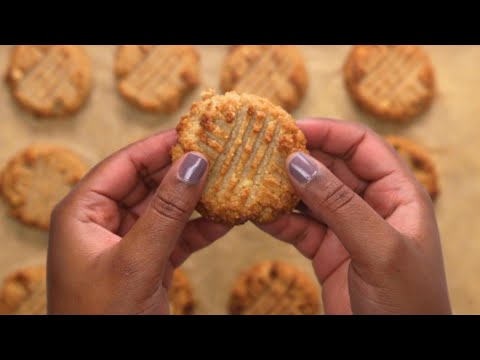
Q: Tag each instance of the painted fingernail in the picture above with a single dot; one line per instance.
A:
(302, 168)
(192, 169)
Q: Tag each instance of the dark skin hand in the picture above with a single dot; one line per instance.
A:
(117, 237)
(369, 227)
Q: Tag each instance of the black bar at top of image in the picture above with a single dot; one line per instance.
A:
(230, 23)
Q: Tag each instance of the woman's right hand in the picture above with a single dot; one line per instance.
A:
(370, 227)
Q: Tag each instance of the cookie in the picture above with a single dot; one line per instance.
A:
(392, 82)
(24, 292)
(419, 162)
(180, 295)
(50, 80)
(36, 303)
(36, 179)
(156, 78)
(274, 288)
(276, 72)
(246, 140)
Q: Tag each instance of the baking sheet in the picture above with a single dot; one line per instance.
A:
(450, 130)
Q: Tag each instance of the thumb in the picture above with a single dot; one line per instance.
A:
(153, 237)
(361, 230)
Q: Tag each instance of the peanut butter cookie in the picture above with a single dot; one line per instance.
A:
(274, 288)
(180, 295)
(50, 80)
(392, 82)
(246, 140)
(419, 161)
(276, 72)
(36, 179)
(156, 78)
(24, 292)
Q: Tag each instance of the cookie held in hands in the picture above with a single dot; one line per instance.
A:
(246, 140)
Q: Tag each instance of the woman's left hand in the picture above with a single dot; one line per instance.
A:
(116, 239)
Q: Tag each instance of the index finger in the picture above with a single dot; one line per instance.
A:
(364, 152)
(118, 175)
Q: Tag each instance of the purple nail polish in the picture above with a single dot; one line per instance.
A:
(192, 169)
(302, 168)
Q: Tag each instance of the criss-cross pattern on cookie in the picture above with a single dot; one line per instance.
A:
(56, 80)
(245, 156)
(392, 77)
(160, 76)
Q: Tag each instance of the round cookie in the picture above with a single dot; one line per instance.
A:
(419, 162)
(156, 78)
(180, 295)
(275, 72)
(274, 288)
(24, 292)
(50, 80)
(246, 140)
(392, 82)
(36, 179)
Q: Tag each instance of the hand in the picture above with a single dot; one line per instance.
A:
(116, 239)
(370, 227)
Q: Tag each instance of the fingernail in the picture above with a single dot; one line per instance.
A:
(302, 168)
(192, 169)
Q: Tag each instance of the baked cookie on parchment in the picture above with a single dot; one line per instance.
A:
(157, 77)
(419, 161)
(24, 292)
(392, 82)
(50, 80)
(275, 72)
(246, 140)
(180, 295)
(274, 288)
(36, 179)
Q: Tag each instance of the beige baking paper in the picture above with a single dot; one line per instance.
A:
(450, 130)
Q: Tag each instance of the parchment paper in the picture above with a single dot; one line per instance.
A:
(450, 130)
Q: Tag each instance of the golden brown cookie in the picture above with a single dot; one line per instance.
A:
(50, 80)
(246, 140)
(274, 288)
(24, 292)
(393, 82)
(180, 295)
(36, 179)
(156, 78)
(419, 161)
(275, 72)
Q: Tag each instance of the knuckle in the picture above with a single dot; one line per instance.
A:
(365, 130)
(338, 197)
(170, 207)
